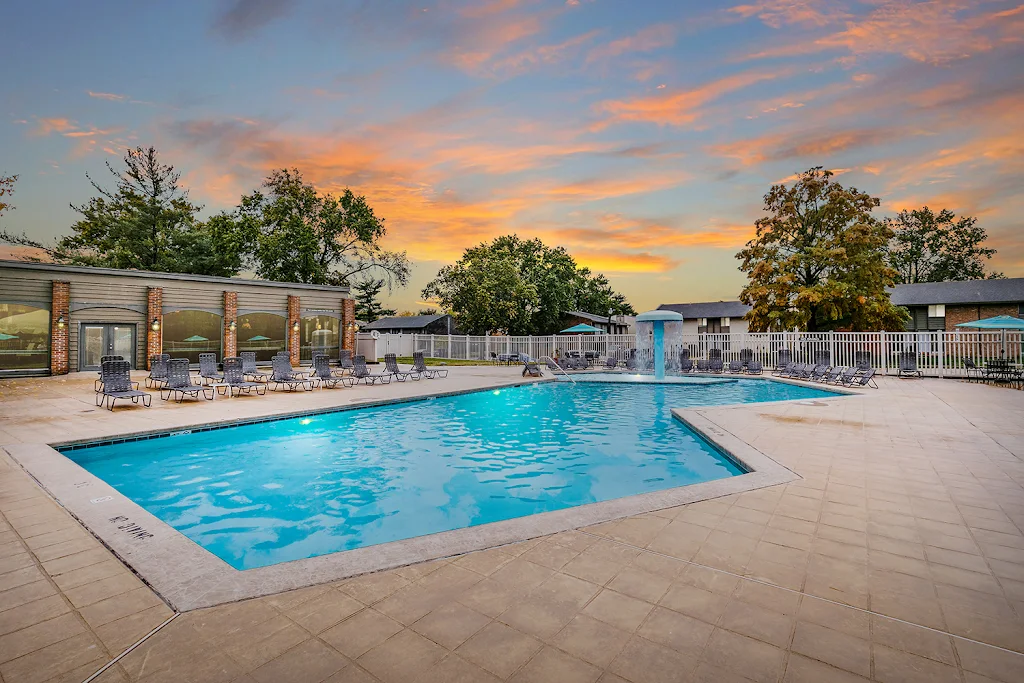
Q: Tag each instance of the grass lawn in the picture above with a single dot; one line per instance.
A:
(443, 361)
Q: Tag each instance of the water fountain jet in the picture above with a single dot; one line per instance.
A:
(653, 323)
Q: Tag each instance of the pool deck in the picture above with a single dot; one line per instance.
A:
(897, 556)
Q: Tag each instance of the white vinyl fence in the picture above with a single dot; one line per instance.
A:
(939, 354)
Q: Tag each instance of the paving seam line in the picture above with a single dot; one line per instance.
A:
(790, 590)
(118, 658)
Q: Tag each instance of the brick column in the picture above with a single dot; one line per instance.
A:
(348, 330)
(293, 333)
(230, 347)
(154, 311)
(60, 327)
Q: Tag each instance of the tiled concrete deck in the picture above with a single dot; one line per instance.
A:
(898, 557)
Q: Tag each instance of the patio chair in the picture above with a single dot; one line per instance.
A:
(684, 352)
(344, 362)
(714, 354)
(862, 360)
(848, 375)
(823, 357)
(116, 378)
(179, 382)
(908, 365)
(791, 370)
(552, 365)
(284, 375)
(235, 381)
(97, 383)
(611, 363)
(249, 368)
(754, 368)
(362, 374)
(715, 365)
(735, 366)
(391, 365)
(686, 365)
(702, 365)
(865, 380)
(420, 366)
(832, 375)
(494, 358)
(746, 355)
(783, 360)
(810, 370)
(818, 372)
(208, 368)
(157, 370)
(973, 371)
(631, 363)
(323, 375)
(531, 368)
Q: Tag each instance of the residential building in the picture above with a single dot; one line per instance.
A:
(711, 316)
(56, 319)
(944, 305)
(440, 323)
(615, 324)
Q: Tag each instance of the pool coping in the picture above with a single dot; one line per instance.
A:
(189, 577)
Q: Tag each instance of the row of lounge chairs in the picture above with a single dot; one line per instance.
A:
(825, 374)
(173, 377)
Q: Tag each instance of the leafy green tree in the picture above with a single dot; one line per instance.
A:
(302, 235)
(368, 308)
(930, 247)
(6, 189)
(519, 287)
(817, 261)
(146, 222)
(427, 311)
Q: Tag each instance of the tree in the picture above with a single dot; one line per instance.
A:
(301, 235)
(930, 247)
(367, 306)
(427, 311)
(519, 287)
(6, 189)
(817, 261)
(146, 222)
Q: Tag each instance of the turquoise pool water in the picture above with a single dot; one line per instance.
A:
(271, 492)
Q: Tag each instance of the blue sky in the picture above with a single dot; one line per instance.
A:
(639, 135)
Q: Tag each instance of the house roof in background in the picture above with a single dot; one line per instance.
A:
(591, 316)
(406, 322)
(708, 309)
(1008, 290)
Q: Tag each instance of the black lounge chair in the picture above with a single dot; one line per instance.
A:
(362, 374)
(531, 368)
(832, 375)
(735, 366)
(746, 355)
(97, 384)
(818, 372)
(908, 365)
(552, 365)
(420, 366)
(208, 368)
(631, 364)
(344, 362)
(754, 368)
(783, 360)
(685, 364)
(249, 368)
(157, 370)
(848, 375)
(810, 370)
(391, 365)
(235, 381)
(116, 378)
(611, 363)
(865, 380)
(322, 373)
(284, 375)
(792, 370)
(179, 382)
(715, 365)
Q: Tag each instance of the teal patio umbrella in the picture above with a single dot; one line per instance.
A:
(4, 336)
(259, 337)
(582, 329)
(999, 322)
(195, 338)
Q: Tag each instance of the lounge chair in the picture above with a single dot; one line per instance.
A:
(832, 375)
(179, 382)
(809, 371)
(531, 368)
(208, 368)
(235, 381)
(818, 372)
(735, 366)
(754, 368)
(391, 365)
(420, 366)
(823, 358)
(783, 360)
(157, 370)
(908, 365)
(848, 376)
(865, 380)
(611, 363)
(746, 355)
(862, 360)
(552, 364)
(97, 383)
(792, 370)
(686, 365)
(362, 374)
(284, 375)
(631, 364)
(344, 362)
(702, 365)
(249, 368)
(323, 375)
(715, 365)
(116, 380)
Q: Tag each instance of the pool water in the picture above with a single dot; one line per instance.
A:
(260, 494)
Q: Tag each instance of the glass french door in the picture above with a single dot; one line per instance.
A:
(102, 339)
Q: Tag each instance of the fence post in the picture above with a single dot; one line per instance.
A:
(885, 352)
(942, 352)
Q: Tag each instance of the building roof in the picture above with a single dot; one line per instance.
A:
(404, 322)
(591, 316)
(1007, 290)
(708, 309)
(117, 272)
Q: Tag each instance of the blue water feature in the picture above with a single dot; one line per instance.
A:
(260, 494)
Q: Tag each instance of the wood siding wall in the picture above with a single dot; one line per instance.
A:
(30, 290)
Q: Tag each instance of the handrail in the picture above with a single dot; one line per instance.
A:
(559, 367)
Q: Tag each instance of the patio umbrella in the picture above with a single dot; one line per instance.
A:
(999, 322)
(582, 329)
(5, 337)
(195, 338)
(259, 337)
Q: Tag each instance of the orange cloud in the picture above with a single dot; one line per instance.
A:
(807, 145)
(645, 40)
(632, 233)
(53, 125)
(623, 262)
(777, 13)
(543, 54)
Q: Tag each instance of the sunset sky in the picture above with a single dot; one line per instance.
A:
(641, 135)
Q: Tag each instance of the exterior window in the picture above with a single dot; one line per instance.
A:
(703, 322)
(264, 333)
(937, 311)
(189, 333)
(319, 334)
(725, 322)
(1020, 309)
(24, 337)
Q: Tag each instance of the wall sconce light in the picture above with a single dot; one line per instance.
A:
(232, 326)
(155, 325)
(295, 326)
(60, 322)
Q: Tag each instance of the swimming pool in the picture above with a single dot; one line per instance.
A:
(261, 494)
